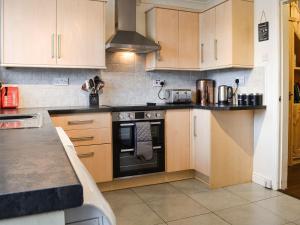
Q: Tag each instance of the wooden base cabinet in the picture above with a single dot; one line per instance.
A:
(177, 137)
(98, 161)
(222, 146)
(91, 134)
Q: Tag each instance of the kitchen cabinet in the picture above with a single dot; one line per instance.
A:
(178, 34)
(91, 134)
(222, 148)
(177, 138)
(227, 36)
(50, 33)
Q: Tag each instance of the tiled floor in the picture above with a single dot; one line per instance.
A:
(190, 202)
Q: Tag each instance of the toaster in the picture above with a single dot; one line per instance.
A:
(9, 97)
(178, 96)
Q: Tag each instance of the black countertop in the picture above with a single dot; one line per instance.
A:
(87, 109)
(35, 173)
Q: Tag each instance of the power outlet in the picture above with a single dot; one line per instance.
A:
(61, 81)
(157, 83)
(241, 80)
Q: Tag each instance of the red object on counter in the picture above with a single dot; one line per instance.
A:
(10, 97)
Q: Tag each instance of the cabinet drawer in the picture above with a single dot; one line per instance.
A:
(82, 121)
(90, 136)
(98, 161)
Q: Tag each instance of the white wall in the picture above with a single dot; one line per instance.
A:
(267, 55)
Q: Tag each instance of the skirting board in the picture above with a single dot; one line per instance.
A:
(145, 180)
(263, 181)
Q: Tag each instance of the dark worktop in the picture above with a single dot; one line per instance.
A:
(35, 173)
(87, 109)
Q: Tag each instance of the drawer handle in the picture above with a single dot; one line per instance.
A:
(127, 150)
(86, 155)
(90, 138)
(80, 122)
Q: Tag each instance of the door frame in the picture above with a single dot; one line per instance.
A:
(284, 86)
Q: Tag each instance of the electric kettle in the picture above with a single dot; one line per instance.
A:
(225, 95)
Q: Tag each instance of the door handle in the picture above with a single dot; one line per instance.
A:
(80, 122)
(127, 150)
(86, 155)
(216, 49)
(202, 53)
(82, 139)
(127, 125)
(158, 53)
(195, 126)
(52, 46)
(59, 45)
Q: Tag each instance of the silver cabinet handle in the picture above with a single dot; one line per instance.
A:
(127, 150)
(59, 45)
(127, 125)
(216, 49)
(155, 123)
(202, 53)
(86, 155)
(157, 147)
(158, 53)
(52, 46)
(80, 122)
(90, 138)
(195, 126)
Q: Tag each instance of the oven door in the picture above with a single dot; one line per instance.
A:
(126, 162)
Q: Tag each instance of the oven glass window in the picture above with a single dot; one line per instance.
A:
(126, 137)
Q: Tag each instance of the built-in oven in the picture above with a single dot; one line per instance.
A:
(126, 159)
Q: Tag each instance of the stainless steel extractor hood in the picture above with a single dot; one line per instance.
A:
(126, 37)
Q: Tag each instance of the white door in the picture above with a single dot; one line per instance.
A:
(80, 31)
(29, 30)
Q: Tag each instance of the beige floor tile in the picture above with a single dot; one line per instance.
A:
(121, 198)
(190, 186)
(157, 192)
(178, 207)
(218, 199)
(206, 219)
(297, 222)
(252, 192)
(284, 206)
(250, 215)
(138, 214)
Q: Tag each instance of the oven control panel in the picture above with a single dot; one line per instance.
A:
(140, 115)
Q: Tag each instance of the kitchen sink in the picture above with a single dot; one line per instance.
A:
(20, 121)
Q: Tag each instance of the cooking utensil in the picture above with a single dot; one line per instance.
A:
(97, 80)
(86, 86)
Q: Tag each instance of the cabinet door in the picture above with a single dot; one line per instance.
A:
(177, 140)
(223, 40)
(29, 30)
(207, 38)
(202, 140)
(188, 40)
(98, 161)
(167, 35)
(80, 30)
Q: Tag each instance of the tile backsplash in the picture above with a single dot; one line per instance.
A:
(126, 82)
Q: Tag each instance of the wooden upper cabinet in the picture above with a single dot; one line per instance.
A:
(28, 32)
(207, 38)
(227, 36)
(178, 34)
(188, 40)
(53, 33)
(80, 30)
(177, 129)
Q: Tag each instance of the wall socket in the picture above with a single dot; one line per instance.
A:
(61, 81)
(241, 80)
(157, 83)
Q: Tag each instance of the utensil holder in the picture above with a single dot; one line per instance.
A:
(94, 99)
